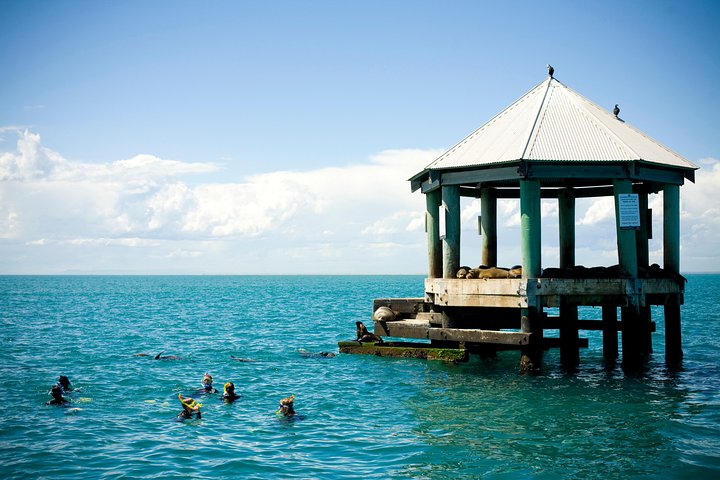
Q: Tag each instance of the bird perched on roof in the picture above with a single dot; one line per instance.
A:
(616, 110)
(551, 70)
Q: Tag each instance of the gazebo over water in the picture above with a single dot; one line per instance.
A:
(552, 143)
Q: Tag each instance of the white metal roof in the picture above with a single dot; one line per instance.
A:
(554, 123)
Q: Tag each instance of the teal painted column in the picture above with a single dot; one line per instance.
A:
(627, 247)
(530, 228)
(451, 240)
(569, 335)
(671, 228)
(530, 244)
(671, 263)
(488, 227)
(433, 200)
(632, 324)
(566, 217)
(642, 235)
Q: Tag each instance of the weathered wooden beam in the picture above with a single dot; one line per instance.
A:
(548, 292)
(591, 171)
(505, 192)
(550, 193)
(405, 350)
(402, 306)
(508, 293)
(603, 286)
(469, 177)
(654, 174)
(423, 329)
(479, 336)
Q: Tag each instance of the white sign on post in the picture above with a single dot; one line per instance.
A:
(629, 211)
(441, 216)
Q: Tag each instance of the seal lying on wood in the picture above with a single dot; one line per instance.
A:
(490, 272)
(363, 335)
(384, 314)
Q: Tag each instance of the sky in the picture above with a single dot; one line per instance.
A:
(278, 137)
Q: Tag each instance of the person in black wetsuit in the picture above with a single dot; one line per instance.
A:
(57, 399)
(207, 382)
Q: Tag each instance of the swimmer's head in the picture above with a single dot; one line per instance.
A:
(228, 388)
(56, 392)
(207, 381)
(286, 406)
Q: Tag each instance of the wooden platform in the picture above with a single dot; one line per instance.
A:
(547, 292)
(423, 329)
(405, 350)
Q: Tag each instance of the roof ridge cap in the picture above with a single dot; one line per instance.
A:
(542, 109)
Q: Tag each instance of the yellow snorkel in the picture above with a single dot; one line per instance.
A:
(191, 404)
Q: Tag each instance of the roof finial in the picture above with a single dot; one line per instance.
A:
(616, 111)
(551, 70)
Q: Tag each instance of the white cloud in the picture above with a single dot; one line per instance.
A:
(144, 202)
(397, 222)
(149, 214)
(700, 219)
(600, 210)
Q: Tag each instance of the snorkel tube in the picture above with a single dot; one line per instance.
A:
(190, 405)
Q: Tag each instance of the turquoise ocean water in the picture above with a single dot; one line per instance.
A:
(361, 416)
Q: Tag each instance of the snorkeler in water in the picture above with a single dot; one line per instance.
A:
(190, 407)
(207, 384)
(57, 399)
(287, 406)
(229, 394)
(64, 384)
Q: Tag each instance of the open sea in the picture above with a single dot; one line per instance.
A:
(359, 416)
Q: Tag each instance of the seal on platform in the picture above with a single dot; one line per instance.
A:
(363, 335)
